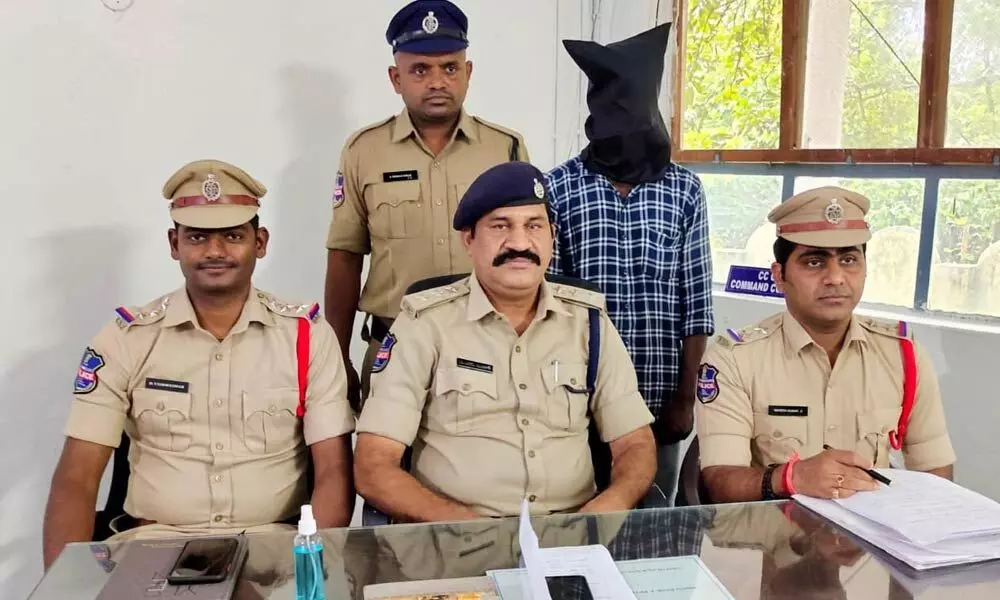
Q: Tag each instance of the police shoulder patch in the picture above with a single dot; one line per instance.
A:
(578, 295)
(151, 313)
(308, 311)
(338, 190)
(359, 133)
(707, 386)
(895, 329)
(86, 374)
(384, 353)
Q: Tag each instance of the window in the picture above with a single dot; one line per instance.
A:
(974, 75)
(733, 74)
(737, 220)
(965, 275)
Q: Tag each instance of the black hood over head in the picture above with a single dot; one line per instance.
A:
(629, 141)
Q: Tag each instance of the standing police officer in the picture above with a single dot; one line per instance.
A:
(400, 180)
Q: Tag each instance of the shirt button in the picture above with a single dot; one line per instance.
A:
(522, 386)
(440, 241)
(436, 164)
(159, 406)
(438, 202)
(572, 380)
(218, 518)
(777, 433)
(218, 401)
(466, 387)
(532, 498)
(217, 478)
(419, 204)
(831, 428)
(218, 446)
(525, 422)
(219, 356)
(517, 349)
(272, 408)
(531, 454)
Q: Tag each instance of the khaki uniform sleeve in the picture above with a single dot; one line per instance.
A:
(399, 391)
(617, 406)
(927, 444)
(349, 224)
(101, 401)
(328, 414)
(725, 421)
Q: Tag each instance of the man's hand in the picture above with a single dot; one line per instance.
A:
(675, 422)
(353, 387)
(833, 474)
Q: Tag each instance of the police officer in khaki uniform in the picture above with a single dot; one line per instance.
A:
(205, 382)
(816, 375)
(401, 179)
(487, 380)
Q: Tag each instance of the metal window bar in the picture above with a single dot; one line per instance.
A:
(931, 175)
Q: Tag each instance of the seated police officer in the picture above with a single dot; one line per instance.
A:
(817, 382)
(487, 380)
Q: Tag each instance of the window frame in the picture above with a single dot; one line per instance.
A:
(929, 146)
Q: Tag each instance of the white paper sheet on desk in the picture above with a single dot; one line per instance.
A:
(919, 556)
(925, 508)
(673, 578)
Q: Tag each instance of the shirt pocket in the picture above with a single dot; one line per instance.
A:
(269, 421)
(566, 395)
(461, 397)
(872, 441)
(659, 256)
(778, 437)
(163, 419)
(396, 210)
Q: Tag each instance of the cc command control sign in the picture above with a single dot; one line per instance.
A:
(755, 281)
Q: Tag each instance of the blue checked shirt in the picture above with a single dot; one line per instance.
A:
(649, 252)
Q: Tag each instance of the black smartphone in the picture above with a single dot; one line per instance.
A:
(569, 587)
(204, 561)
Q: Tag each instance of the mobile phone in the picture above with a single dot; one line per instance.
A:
(568, 587)
(204, 561)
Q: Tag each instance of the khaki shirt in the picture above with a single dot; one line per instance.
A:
(215, 439)
(396, 200)
(775, 394)
(492, 417)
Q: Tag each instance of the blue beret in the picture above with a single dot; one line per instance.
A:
(507, 184)
(428, 27)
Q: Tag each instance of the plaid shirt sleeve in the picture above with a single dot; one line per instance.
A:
(696, 265)
(560, 263)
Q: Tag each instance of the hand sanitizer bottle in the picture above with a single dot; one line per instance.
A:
(308, 549)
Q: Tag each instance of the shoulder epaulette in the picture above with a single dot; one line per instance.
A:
(895, 329)
(753, 333)
(510, 132)
(309, 311)
(151, 313)
(583, 295)
(357, 134)
(414, 304)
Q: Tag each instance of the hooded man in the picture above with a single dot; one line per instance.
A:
(634, 223)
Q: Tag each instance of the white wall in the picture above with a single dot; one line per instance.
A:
(98, 108)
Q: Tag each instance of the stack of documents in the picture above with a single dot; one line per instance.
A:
(921, 519)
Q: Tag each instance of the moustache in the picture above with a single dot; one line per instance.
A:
(439, 96)
(216, 264)
(513, 254)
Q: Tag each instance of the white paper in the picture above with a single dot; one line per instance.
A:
(673, 578)
(925, 508)
(534, 580)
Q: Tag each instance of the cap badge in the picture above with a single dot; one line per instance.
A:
(430, 23)
(834, 212)
(211, 189)
(539, 190)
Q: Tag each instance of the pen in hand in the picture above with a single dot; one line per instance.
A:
(871, 472)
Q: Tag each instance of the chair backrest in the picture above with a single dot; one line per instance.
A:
(691, 490)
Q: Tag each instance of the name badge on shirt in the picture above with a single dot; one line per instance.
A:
(788, 411)
(391, 176)
(472, 365)
(166, 385)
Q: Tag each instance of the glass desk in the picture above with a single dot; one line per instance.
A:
(774, 550)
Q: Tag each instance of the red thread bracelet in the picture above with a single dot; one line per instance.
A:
(786, 477)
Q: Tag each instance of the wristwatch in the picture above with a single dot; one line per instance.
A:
(766, 492)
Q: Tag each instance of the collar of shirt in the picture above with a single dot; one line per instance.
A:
(403, 127)
(180, 311)
(480, 305)
(798, 338)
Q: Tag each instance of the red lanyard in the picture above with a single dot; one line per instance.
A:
(909, 387)
(302, 360)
